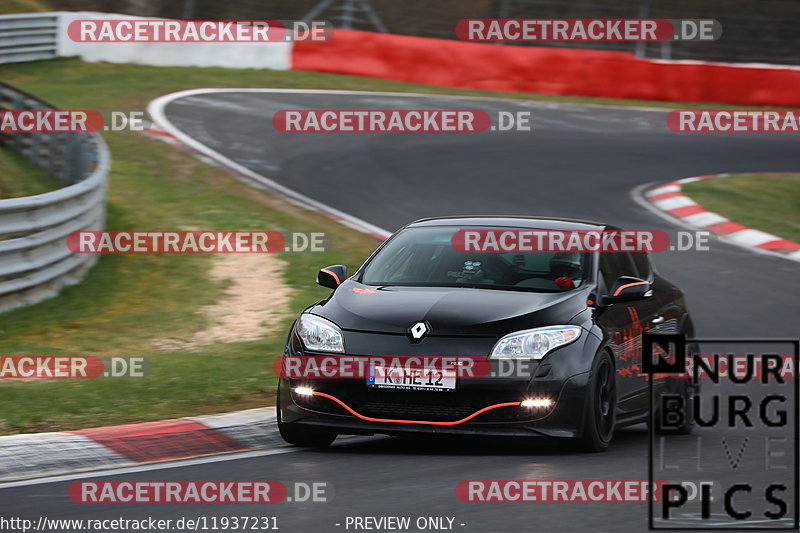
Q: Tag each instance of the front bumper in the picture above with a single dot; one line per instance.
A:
(350, 407)
(480, 407)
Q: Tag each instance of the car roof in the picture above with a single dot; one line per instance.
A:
(514, 221)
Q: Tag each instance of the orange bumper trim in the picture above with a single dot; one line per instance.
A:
(420, 422)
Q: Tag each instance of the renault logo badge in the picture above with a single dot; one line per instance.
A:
(418, 330)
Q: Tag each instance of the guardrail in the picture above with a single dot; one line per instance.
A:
(28, 37)
(35, 262)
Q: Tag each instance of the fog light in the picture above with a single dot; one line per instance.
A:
(304, 391)
(536, 402)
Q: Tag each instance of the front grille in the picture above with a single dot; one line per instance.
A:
(408, 411)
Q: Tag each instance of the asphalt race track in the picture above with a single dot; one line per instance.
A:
(578, 161)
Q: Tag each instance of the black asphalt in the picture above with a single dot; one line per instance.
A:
(578, 161)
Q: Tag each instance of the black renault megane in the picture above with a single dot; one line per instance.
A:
(525, 340)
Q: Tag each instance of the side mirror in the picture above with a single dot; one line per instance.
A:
(628, 288)
(332, 276)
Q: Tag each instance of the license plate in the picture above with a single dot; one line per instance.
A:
(420, 379)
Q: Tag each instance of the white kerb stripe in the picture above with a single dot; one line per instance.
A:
(751, 237)
(664, 189)
(704, 219)
(674, 203)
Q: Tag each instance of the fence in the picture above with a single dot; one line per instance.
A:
(28, 37)
(35, 262)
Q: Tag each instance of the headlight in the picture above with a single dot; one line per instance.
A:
(534, 343)
(319, 334)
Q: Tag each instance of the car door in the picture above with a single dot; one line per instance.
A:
(623, 324)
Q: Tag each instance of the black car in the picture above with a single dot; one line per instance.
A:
(567, 324)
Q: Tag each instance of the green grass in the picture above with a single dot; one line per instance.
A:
(128, 301)
(18, 177)
(769, 202)
(23, 6)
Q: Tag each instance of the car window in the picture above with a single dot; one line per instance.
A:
(616, 264)
(426, 257)
(642, 263)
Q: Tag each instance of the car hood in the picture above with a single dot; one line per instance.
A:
(456, 311)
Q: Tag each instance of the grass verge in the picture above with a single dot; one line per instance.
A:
(127, 302)
(769, 202)
(23, 6)
(19, 178)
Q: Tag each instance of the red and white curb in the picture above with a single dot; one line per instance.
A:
(669, 199)
(51, 454)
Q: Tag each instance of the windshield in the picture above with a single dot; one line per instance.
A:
(426, 257)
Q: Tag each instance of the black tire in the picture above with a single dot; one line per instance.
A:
(301, 436)
(601, 402)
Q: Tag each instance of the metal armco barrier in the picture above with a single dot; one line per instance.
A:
(28, 37)
(35, 262)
